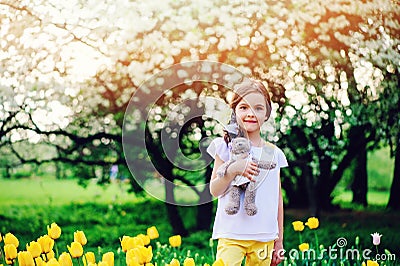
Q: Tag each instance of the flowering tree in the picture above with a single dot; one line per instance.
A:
(329, 66)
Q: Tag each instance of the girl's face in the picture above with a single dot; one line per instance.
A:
(251, 112)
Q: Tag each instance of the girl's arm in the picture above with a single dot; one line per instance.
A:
(278, 246)
(280, 211)
(240, 167)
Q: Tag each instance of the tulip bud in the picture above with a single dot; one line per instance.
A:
(11, 239)
(90, 257)
(312, 223)
(109, 258)
(298, 226)
(53, 262)
(25, 259)
(39, 261)
(79, 236)
(34, 248)
(218, 262)
(46, 243)
(357, 241)
(189, 262)
(76, 249)
(175, 241)
(54, 231)
(127, 243)
(65, 259)
(304, 247)
(152, 232)
(174, 262)
(10, 252)
(131, 258)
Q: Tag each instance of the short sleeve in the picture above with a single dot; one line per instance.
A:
(282, 161)
(218, 147)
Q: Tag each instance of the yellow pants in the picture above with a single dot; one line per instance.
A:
(233, 251)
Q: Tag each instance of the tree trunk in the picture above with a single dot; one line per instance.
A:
(324, 183)
(311, 196)
(178, 228)
(295, 191)
(8, 172)
(394, 200)
(205, 210)
(360, 181)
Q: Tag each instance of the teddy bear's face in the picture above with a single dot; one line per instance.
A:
(240, 146)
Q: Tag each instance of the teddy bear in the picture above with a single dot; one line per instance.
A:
(240, 149)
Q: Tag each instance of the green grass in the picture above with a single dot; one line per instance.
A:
(50, 191)
(27, 206)
(106, 213)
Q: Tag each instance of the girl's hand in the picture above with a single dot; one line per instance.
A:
(278, 252)
(244, 168)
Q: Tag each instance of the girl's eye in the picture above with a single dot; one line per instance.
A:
(242, 107)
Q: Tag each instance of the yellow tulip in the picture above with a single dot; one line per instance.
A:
(11, 239)
(145, 239)
(53, 262)
(1, 239)
(143, 254)
(218, 262)
(76, 249)
(10, 252)
(312, 223)
(50, 255)
(39, 261)
(54, 231)
(127, 243)
(65, 259)
(34, 248)
(149, 264)
(131, 259)
(174, 262)
(46, 243)
(189, 262)
(372, 263)
(137, 241)
(152, 232)
(79, 236)
(206, 264)
(304, 247)
(175, 241)
(298, 226)
(25, 259)
(103, 263)
(90, 257)
(109, 258)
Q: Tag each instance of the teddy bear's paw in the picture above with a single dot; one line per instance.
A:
(230, 209)
(251, 209)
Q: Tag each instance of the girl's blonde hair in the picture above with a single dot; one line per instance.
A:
(247, 86)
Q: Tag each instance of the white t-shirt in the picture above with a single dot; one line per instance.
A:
(263, 226)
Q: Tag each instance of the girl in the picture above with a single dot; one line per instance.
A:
(240, 235)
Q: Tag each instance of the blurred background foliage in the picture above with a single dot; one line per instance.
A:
(69, 69)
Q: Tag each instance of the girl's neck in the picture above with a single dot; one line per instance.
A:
(255, 139)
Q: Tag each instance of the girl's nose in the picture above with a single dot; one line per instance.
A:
(250, 114)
